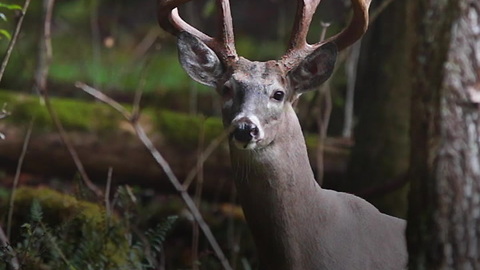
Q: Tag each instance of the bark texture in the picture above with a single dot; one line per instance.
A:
(444, 217)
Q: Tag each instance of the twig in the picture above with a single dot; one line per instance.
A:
(104, 98)
(325, 26)
(107, 193)
(351, 72)
(325, 95)
(4, 243)
(3, 114)
(41, 86)
(183, 193)
(56, 247)
(45, 48)
(13, 41)
(198, 196)
(204, 156)
(166, 168)
(96, 38)
(17, 177)
(323, 121)
(351, 65)
(68, 144)
(383, 5)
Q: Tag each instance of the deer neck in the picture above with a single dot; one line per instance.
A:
(276, 188)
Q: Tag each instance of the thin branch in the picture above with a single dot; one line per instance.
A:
(13, 41)
(71, 149)
(351, 65)
(325, 95)
(183, 193)
(204, 156)
(323, 121)
(166, 168)
(198, 196)
(324, 26)
(45, 48)
(374, 14)
(96, 38)
(26, 141)
(104, 98)
(107, 193)
(4, 243)
(41, 86)
(4, 113)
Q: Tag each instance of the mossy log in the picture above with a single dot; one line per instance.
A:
(103, 140)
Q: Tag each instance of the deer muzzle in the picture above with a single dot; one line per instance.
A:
(246, 132)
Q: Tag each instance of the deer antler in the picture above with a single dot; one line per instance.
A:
(298, 46)
(223, 45)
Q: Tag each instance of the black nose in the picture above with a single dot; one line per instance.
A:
(245, 132)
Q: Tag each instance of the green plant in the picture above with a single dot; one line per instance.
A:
(4, 32)
(58, 231)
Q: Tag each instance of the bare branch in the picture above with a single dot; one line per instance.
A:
(198, 196)
(108, 207)
(165, 167)
(351, 64)
(71, 149)
(4, 243)
(379, 10)
(104, 98)
(17, 177)
(45, 48)
(205, 155)
(13, 41)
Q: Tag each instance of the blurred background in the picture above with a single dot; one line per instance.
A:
(356, 125)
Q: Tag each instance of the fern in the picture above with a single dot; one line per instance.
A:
(36, 213)
(72, 238)
(153, 247)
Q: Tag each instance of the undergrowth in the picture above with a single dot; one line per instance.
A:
(59, 231)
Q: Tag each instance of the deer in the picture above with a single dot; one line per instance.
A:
(295, 223)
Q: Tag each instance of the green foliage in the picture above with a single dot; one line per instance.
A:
(3, 17)
(58, 231)
(74, 114)
(184, 129)
(153, 246)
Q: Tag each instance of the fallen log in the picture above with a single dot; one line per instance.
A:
(103, 140)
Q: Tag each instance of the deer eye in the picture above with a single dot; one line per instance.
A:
(278, 95)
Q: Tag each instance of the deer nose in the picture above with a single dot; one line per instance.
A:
(245, 132)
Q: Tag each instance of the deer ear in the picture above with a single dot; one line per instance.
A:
(315, 69)
(198, 60)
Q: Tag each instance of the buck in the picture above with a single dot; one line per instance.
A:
(295, 223)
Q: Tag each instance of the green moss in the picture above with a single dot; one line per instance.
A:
(57, 206)
(73, 114)
(79, 228)
(184, 129)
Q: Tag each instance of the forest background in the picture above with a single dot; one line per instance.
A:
(77, 180)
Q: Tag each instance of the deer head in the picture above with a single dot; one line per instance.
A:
(257, 95)
(295, 223)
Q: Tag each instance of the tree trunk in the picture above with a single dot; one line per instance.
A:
(381, 151)
(444, 214)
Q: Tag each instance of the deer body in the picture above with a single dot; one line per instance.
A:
(296, 225)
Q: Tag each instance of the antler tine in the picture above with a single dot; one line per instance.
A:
(298, 47)
(170, 20)
(224, 45)
(303, 18)
(225, 20)
(357, 27)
